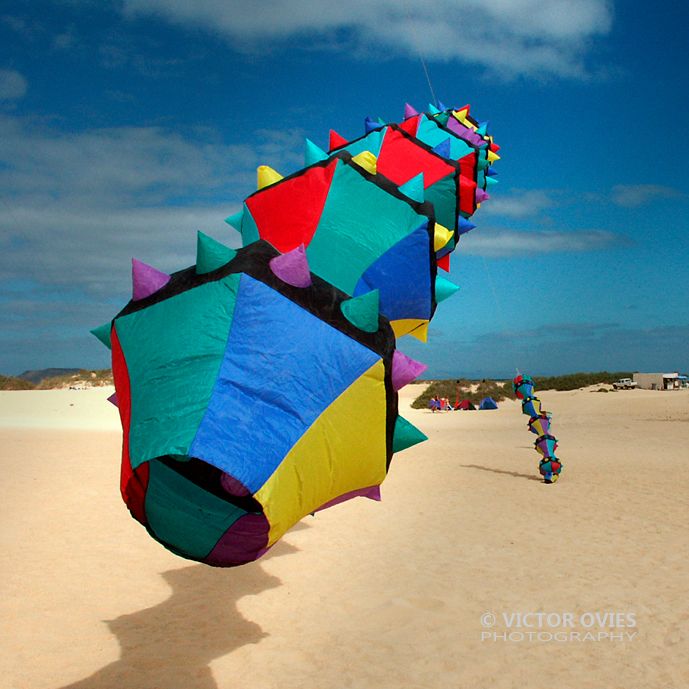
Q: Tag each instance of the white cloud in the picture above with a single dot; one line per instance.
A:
(500, 243)
(12, 85)
(521, 203)
(635, 195)
(65, 40)
(75, 207)
(126, 165)
(534, 37)
(87, 249)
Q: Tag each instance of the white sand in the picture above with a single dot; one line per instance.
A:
(363, 595)
(59, 409)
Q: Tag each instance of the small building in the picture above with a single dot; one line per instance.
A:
(659, 381)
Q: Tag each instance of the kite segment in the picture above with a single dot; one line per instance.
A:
(539, 423)
(252, 393)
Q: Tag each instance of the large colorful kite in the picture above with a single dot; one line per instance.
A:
(260, 385)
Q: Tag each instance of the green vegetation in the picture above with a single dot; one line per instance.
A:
(12, 383)
(573, 381)
(84, 377)
(452, 389)
(500, 391)
(37, 376)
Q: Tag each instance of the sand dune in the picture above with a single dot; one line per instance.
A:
(396, 594)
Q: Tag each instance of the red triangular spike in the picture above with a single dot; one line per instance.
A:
(336, 141)
(494, 147)
(444, 263)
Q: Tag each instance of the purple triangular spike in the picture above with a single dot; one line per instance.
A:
(292, 267)
(465, 133)
(405, 369)
(481, 196)
(372, 493)
(113, 399)
(409, 111)
(146, 280)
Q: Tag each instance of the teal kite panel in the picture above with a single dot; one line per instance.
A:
(359, 223)
(443, 196)
(172, 368)
(431, 134)
(182, 513)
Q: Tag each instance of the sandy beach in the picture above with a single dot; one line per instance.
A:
(423, 590)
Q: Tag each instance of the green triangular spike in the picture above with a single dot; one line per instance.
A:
(236, 219)
(102, 332)
(414, 188)
(491, 180)
(444, 289)
(313, 154)
(211, 254)
(432, 109)
(406, 435)
(249, 229)
(362, 311)
(381, 121)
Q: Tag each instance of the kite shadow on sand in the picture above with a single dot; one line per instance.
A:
(516, 474)
(172, 644)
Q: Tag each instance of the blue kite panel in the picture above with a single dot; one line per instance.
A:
(279, 358)
(390, 274)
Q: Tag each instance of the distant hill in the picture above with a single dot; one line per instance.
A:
(574, 381)
(14, 383)
(79, 379)
(39, 376)
(57, 378)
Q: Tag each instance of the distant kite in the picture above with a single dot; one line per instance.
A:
(539, 423)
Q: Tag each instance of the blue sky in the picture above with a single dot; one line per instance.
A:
(125, 127)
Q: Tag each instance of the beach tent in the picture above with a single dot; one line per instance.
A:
(465, 404)
(488, 403)
(251, 394)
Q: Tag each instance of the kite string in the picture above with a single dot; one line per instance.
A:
(496, 301)
(417, 43)
(428, 79)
